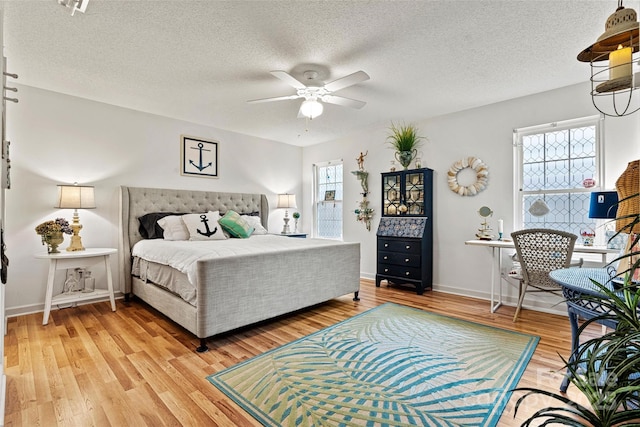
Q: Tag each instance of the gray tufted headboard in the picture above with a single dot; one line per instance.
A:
(135, 202)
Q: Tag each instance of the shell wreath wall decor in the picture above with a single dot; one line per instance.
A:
(482, 176)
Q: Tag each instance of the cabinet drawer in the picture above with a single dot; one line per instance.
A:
(397, 258)
(399, 271)
(406, 246)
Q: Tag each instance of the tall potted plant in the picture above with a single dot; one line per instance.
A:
(605, 369)
(405, 140)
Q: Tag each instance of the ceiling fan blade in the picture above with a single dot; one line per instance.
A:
(289, 79)
(346, 81)
(345, 102)
(278, 98)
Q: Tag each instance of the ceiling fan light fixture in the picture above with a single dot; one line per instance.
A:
(313, 91)
(311, 108)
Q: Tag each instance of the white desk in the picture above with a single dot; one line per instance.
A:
(77, 259)
(498, 245)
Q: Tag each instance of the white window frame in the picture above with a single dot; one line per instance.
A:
(518, 134)
(318, 199)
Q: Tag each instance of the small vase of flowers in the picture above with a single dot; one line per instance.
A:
(364, 213)
(296, 217)
(52, 233)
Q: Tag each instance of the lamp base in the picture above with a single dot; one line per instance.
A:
(76, 241)
(615, 84)
(76, 244)
(286, 229)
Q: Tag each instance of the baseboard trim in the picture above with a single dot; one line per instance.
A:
(553, 305)
(545, 306)
(39, 308)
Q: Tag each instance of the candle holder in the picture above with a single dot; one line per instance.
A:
(500, 228)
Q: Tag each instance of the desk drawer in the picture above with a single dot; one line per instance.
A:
(411, 246)
(397, 258)
(399, 271)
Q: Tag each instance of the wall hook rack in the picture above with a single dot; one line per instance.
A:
(5, 87)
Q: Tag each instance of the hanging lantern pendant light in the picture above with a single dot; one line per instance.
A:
(614, 58)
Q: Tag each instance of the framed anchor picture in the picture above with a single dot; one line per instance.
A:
(199, 157)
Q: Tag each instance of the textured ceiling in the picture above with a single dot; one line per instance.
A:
(201, 61)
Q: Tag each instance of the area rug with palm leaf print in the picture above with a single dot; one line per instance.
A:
(389, 366)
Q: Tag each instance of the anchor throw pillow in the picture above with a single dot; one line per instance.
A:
(204, 226)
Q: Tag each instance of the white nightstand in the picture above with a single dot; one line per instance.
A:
(77, 259)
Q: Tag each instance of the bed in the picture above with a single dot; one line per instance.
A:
(230, 292)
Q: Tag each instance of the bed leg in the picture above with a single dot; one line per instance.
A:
(203, 346)
(355, 296)
(126, 297)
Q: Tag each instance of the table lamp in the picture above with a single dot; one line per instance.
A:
(76, 197)
(286, 201)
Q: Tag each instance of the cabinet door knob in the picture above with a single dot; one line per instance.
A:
(408, 247)
(386, 245)
(386, 270)
(385, 257)
(406, 260)
(406, 273)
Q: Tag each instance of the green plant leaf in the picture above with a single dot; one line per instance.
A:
(404, 137)
(605, 369)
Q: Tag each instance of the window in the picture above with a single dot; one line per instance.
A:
(552, 163)
(328, 200)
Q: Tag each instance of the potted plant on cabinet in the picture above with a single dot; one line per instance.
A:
(405, 140)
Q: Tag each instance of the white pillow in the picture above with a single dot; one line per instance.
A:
(204, 226)
(254, 221)
(173, 228)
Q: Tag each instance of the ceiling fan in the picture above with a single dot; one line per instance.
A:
(315, 91)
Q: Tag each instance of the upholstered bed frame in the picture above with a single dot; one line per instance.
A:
(239, 291)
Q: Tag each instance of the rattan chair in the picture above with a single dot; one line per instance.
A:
(540, 251)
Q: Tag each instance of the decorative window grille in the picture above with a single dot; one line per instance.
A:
(552, 163)
(328, 200)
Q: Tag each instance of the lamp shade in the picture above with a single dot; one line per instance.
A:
(286, 201)
(603, 205)
(621, 28)
(614, 70)
(75, 197)
(311, 108)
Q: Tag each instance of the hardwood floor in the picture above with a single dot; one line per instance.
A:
(93, 367)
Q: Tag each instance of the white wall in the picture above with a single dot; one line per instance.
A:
(486, 133)
(59, 139)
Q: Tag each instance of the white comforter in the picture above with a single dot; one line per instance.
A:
(184, 255)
